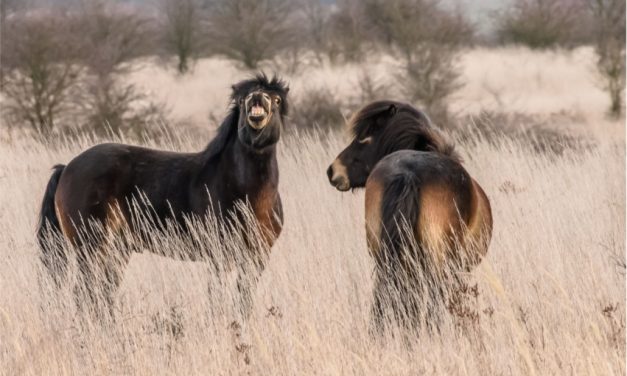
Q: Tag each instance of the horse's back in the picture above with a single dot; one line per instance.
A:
(97, 182)
(430, 195)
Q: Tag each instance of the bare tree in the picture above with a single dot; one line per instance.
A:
(427, 41)
(430, 77)
(347, 31)
(40, 72)
(250, 31)
(181, 28)
(540, 23)
(111, 39)
(609, 32)
(315, 21)
(112, 106)
(405, 25)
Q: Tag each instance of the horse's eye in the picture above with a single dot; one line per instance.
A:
(366, 141)
(277, 100)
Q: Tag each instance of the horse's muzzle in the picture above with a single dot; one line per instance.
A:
(258, 110)
(338, 177)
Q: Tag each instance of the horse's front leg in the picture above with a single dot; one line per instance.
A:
(247, 278)
(258, 242)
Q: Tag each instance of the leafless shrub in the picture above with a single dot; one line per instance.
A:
(370, 88)
(536, 133)
(430, 77)
(539, 23)
(62, 67)
(111, 39)
(181, 28)
(112, 106)
(320, 108)
(609, 37)
(250, 31)
(316, 27)
(295, 55)
(39, 70)
(317, 109)
(347, 32)
(427, 40)
(405, 25)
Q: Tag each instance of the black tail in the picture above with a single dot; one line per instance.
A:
(417, 295)
(48, 221)
(400, 211)
(49, 233)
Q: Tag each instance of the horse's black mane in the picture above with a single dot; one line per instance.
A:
(227, 130)
(407, 128)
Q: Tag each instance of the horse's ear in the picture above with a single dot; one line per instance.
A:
(235, 95)
(392, 109)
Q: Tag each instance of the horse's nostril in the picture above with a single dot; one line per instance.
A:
(330, 172)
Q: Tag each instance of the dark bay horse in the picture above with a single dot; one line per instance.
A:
(417, 193)
(239, 166)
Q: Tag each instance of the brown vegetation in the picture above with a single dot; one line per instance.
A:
(64, 69)
(40, 71)
(609, 37)
(540, 23)
(427, 40)
(250, 31)
(181, 27)
(548, 298)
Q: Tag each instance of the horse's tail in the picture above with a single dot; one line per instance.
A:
(48, 230)
(400, 211)
(48, 221)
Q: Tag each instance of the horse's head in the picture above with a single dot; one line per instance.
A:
(381, 128)
(262, 105)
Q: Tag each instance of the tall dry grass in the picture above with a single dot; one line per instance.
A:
(549, 297)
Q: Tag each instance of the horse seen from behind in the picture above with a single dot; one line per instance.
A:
(425, 215)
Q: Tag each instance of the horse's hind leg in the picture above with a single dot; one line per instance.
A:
(100, 270)
(55, 259)
(377, 312)
(101, 262)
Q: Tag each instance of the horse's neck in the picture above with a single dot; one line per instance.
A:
(240, 169)
(253, 167)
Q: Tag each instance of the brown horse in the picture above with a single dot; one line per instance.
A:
(423, 210)
(238, 166)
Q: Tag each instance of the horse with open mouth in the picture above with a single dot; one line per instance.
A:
(98, 187)
(424, 212)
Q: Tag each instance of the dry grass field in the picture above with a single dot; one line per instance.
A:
(549, 297)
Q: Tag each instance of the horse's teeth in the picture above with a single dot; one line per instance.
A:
(257, 110)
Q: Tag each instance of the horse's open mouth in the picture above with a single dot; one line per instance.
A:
(258, 116)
